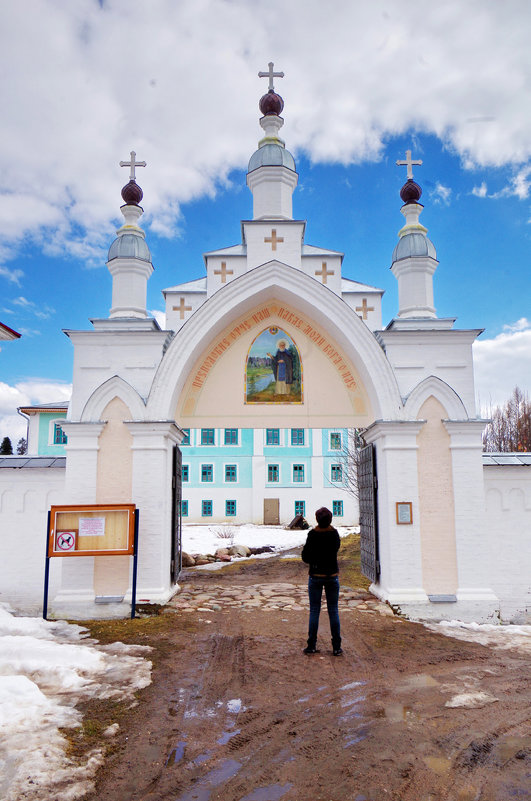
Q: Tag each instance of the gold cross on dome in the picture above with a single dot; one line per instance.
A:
(132, 163)
(223, 272)
(409, 163)
(274, 239)
(364, 308)
(324, 272)
(270, 74)
(182, 308)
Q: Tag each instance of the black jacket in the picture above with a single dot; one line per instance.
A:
(320, 551)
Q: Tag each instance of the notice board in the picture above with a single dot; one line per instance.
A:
(92, 530)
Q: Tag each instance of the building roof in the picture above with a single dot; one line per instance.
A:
(32, 461)
(271, 155)
(61, 406)
(516, 459)
(348, 285)
(7, 333)
(198, 285)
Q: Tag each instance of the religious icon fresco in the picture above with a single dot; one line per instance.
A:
(273, 372)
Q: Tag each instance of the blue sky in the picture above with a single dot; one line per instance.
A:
(107, 78)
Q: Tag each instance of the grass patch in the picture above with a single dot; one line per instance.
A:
(349, 561)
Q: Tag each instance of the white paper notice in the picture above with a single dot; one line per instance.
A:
(91, 526)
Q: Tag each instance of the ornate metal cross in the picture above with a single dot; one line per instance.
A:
(270, 74)
(408, 163)
(133, 163)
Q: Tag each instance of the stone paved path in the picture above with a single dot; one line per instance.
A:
(276, 595)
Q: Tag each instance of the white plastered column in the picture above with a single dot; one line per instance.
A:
(400, 581)
(152, 447)
(476, 601)
(75, 598)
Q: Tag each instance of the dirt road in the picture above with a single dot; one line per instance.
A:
(237, 712)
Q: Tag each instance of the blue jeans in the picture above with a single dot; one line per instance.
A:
(315, 591)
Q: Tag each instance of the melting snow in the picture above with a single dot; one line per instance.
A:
(509, 636)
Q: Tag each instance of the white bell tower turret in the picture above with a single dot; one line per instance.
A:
(271, 175)
(129, 259)
(414, 257)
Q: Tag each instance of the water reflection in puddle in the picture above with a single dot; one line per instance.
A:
(227, 735)
(271, 793)
(202, 789)
(177, 753)
(419, 681)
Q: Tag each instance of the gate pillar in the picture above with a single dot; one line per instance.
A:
(400, 579)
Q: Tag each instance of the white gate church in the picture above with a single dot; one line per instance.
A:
(410, 386)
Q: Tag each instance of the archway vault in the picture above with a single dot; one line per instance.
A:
(347, 378)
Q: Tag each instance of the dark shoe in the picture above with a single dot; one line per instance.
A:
(337, 651)
(309, 650)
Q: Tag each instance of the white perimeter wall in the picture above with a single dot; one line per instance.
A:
(508, 538)
(25, 498)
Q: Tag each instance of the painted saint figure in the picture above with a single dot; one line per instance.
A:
(282, 366)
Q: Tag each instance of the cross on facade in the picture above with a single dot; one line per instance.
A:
(270, 74)
(223, 272)
(408, 163)
(132, 163)
(182, 308)
(364, 308)
(274, 239)
(324, 272)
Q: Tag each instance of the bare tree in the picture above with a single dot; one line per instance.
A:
(509, 430)
(350, 458)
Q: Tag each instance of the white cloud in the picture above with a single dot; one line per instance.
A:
(26, 393)
(14, 276)
(441, 194)
(480, 191)
(103, 78)
(503, 363)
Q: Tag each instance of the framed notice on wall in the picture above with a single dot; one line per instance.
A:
(92, 530)
(404, 513)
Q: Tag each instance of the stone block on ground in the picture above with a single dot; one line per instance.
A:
(187, 560)
(239, 550)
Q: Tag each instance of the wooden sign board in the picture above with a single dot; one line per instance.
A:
(92, 530)
(404, 513)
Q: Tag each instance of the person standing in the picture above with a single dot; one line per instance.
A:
(320, 554)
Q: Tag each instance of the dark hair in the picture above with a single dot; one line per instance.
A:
(323, 517)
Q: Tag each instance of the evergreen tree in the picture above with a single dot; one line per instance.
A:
(22, 446)
(6, 448)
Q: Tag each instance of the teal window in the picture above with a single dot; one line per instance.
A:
(272, 472)
(231, 436)
(207, 436)
(230, 508)
(297, 437)
(337, 508)
(300, 507)
(206, 508)
(186, 438)
(298, 472)
(59, 436)
(272, 436)
(207, 472)
(336, 472)
(230, 472)
(184, 508)
(185, 473)
(335, 441)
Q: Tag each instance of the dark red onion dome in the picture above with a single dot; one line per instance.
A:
(271, 103)
(132, 193)
(410, 192)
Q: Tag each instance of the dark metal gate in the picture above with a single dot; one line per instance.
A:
(368, 488)
(176, 533)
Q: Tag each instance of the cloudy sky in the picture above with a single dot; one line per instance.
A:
(83, 83)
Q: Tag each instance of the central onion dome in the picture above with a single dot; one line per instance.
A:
(132, 194)
(410, 192)
(271, 103)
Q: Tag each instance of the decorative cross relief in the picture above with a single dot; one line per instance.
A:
(408, 163)
(324, 272)
(274, 239)
(132, 163)
(270, 74)
(223, 272)
(182, 308)
(364, 309)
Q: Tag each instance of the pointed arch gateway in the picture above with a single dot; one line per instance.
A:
(201, 379)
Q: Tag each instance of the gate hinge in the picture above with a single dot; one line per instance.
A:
(375, 482)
